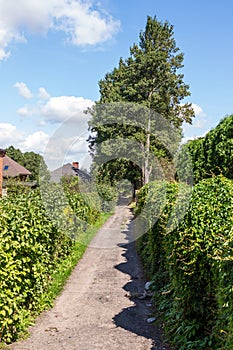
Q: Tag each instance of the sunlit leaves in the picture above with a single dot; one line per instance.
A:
(194, 263)
(32, 245)
(213, 154)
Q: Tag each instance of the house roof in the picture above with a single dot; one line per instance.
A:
(68, 169)
(13, 169)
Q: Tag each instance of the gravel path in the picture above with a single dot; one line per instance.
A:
(94, 312)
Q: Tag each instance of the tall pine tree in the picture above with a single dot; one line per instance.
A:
(148, 77)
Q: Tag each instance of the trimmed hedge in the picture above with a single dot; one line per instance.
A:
(192, 266)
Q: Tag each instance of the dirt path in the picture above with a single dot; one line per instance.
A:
(93, 312)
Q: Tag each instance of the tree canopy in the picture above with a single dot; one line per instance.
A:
(30, 160)
(148, 78)
(213, 154)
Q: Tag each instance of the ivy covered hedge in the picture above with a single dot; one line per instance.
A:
(33, 245)
(213, 154)
(192, 265)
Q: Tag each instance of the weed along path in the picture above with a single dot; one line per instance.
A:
(94, 310)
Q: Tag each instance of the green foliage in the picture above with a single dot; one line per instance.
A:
(213, 154)
(68, 209)
(38, 231)
(31, 161)
(16, 187)
(156, 202)
(70, 183)
(15, 154)
(149, 76)
(82, 194)
(145, 90)
(192, 265)
(28, 244)
(108, 196)
(115, 140)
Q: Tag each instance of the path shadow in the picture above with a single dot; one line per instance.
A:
(134, 318)
(122, 200)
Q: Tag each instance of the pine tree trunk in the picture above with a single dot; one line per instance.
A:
(147, 169)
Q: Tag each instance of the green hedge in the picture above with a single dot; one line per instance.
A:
(213, 154)
(34, 241)
(192, 266)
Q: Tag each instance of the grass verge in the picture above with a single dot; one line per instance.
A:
(63, 271)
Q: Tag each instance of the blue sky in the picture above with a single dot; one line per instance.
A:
(54, 52)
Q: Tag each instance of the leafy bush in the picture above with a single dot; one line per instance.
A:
(213, 154)
(15, 186)
(37, 232)
(159, 195)
(108, 196)
(193, 265)
(70, 209)
(28, 245)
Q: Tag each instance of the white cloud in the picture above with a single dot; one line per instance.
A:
(85, 26)
(31, 15)
(78, 150)
(59, 109)
(62, 149)
(199, 122)
(78, 145)
(67, 145)
(198, 110)
(35, 142)
(5, 38)
(9, 135)
(25, 111)
(199, 126)
(55, 110)
(82, 24)
(23, 90)
(43, 94)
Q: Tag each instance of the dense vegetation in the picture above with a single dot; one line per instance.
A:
(148, 80)
(189, 258)
(192, 265)
(191, 261)
(213, 154)
(40, 235)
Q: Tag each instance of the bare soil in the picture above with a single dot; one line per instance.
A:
(94, 310)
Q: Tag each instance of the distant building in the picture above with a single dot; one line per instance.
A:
(12, 169)
(69, 170)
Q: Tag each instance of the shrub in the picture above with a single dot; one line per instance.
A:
(37, 232)
(193, 266)
(213, 154)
